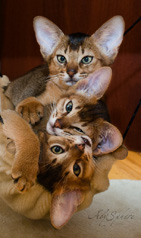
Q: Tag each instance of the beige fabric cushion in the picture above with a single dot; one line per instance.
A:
(115, 213)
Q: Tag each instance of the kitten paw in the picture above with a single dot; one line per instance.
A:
(24, 178)
(31, 110)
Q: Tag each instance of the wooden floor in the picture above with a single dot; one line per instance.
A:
(129, 168)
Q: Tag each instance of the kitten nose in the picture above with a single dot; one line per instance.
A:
(57, 124)
(81, 147)
(71, 72)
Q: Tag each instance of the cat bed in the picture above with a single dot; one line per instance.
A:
(113, 214)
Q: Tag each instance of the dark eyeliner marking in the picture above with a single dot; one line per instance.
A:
(84, 125)
(54, 160)
(66, 173)
(78, 107)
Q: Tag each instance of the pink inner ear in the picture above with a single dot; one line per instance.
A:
(112, 140)
(96, 83)
(63, 206)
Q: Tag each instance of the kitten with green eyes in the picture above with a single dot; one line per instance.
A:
(68, 176)
(64, 173)
(68, 58)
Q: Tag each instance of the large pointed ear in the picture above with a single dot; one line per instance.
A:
(96, 84)
(109, 37)
(47, 34)
(109, 139)
(63, 206)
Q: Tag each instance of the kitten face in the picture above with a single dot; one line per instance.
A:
(84, 119)
(73, 57)
(69, 63)
(68, 159)
(80, 103)
(70, 111)
(66, 170)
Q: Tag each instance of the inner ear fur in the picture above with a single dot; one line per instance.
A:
(108, 38)
(109, 139)
(96, 84)
(47, 34)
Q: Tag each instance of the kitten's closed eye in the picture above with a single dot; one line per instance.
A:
(78, 129)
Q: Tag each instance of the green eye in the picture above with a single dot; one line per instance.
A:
(69, 106)
(57, 149)
(76, 169)
(87, 60)
(61, 59)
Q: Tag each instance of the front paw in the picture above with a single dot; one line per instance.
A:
(31, 110)
(24, 177)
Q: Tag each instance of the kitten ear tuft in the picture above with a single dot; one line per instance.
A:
(96, 84)
(47, 34)
(109, 37)
(110, 139)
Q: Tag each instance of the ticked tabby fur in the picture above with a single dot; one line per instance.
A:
(78, 111)
(66, 170)
(68, 58)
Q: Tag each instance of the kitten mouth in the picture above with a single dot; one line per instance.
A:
(71, 81)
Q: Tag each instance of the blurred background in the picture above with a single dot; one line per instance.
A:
(19, 51)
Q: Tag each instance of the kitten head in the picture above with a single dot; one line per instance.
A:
(73, 57)
(80, 111)
(72, 175)
(66, 170)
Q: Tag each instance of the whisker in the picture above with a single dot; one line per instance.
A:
(53, 76)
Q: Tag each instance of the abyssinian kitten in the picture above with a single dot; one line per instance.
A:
(79, 111)
(68, 58)
(66, 169)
